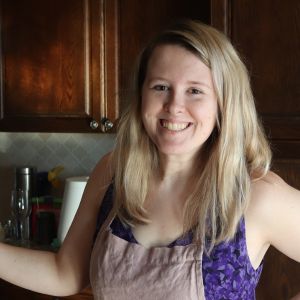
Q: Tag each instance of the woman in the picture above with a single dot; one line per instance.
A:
(189, 205)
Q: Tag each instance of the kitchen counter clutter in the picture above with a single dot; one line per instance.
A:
(51, 217)
(43, 221)
(37, 215)
(45, 218)
(46, 214)
(35, 210)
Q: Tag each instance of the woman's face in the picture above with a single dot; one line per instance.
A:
(179, 103)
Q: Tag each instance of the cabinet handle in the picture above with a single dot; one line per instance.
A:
(94, 124)
(108, 124)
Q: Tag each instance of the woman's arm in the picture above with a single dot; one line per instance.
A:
(67, 271)
(274, 212)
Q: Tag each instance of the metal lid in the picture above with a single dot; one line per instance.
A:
(25, 170)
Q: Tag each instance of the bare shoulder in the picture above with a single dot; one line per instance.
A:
(269, 193)
(269, 190)
(269, 181)
(274, 213)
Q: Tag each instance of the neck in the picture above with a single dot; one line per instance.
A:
(174, 168)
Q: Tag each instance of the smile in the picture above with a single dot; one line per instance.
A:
(174, 126)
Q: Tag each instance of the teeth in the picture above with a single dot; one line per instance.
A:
(174, 126)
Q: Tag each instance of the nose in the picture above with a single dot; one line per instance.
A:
(174, 103)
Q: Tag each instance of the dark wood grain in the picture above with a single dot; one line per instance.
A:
(43, 58)
(59, 64)
(220, 15)
(267, 34)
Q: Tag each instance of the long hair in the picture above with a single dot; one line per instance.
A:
(236, 152)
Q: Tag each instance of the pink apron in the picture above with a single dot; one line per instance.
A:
(120, 270)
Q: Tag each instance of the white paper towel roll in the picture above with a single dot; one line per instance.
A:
(74, 188)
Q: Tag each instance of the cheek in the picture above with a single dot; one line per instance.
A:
(206, 117)
(150, 107)
(204, 112)
(212, 111)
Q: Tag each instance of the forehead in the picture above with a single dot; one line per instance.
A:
(175, 60)
(166, 53)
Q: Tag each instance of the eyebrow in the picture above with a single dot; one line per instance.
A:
(199, 83)
(189, 82)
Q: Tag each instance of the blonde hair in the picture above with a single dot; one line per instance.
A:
(235, 153)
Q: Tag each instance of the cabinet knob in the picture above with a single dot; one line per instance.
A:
(94, 124)
(108, 124)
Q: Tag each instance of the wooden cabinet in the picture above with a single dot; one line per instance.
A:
(267, 35)
(59, 64)
(67, 63)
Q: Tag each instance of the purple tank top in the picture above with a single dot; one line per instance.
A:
(227, 271)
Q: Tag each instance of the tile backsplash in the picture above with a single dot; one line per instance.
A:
(78, 153)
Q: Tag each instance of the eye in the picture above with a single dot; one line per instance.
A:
(160, 87)
(195, 91)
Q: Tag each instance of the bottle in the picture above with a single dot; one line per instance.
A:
(25, 180)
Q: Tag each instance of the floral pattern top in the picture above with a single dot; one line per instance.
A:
(227, 271)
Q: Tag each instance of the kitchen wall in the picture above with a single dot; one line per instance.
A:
(78, 153)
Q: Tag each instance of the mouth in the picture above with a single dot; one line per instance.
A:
(174, 126)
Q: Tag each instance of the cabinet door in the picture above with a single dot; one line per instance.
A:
(59, 64)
